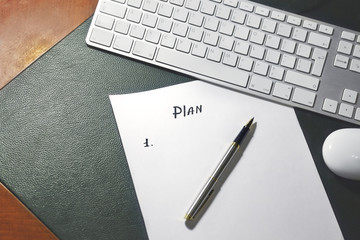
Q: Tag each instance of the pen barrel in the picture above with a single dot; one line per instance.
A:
(201, 199)
(208, 188)
(240, 137)
(225, 160)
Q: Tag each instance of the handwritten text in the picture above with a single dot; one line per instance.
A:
(186, 111)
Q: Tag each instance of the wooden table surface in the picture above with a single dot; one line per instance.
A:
(28, 28)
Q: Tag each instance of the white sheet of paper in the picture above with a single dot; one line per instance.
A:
(272, 192)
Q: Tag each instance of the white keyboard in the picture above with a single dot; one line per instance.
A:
(242, 45)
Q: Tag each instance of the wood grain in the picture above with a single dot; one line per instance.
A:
(17, 222)
(28, 28)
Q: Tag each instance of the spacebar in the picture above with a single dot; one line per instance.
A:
(203, 67)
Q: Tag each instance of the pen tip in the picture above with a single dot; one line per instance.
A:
(249, 123)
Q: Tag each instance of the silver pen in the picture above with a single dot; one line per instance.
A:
(208, 189)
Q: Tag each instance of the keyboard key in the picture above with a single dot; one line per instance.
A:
(246, 6)
(303, 65)
(196, 34)
(153, 36)
(253, 21)
(207, 7)
(192, 4)
(181, 14)
(349, 96)
(238, 17)
(356, 52)
(288, 46)
(257, 37)
(284, 30)
(241, 32)
(150, 5)
(211, 24)
(198, 66)
(319, 40)
(149, 20)
(344, 47)
(269, 26)
(180, 29)
(257, 52)
(101, 37)
(226, 43)
(330, 105)
(310, 25)
(357, 114)
(346, 110)
(288, 61)
(272, 56)
(230, 59)
(245, 63)
(134, 15)
(165, 24)
(319, 56)
(262, 11)
(355, 65)
(211, 38)
(196, 19)
(293, 20)
(122, 27)
(137, 31)
(168, 41)
(260, 84)
(165, 10)
(123, 43)
(199, 50)
(227, 28)
(261, 68)
(177, 2)
(242, 47)
(214, 54)
(104, 21)
(113, 9)
(223, 12)
(341, 61)
(304, 97)
(326, 29)
(183, 45)
(231, 3)
(282, 90)
(276, 72)
(302, 80)
(348, 35)
(145, 50)
(303, 50)
(300, 34)
(278, 15)
(272, 41)
(134, 3)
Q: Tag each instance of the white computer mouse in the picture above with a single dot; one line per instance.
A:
(341, 152)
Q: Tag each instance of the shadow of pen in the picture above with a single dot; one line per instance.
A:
(191, 224)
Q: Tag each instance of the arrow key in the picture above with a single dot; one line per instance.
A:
(330, 105)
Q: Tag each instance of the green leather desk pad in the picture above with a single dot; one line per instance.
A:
(61, 153)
